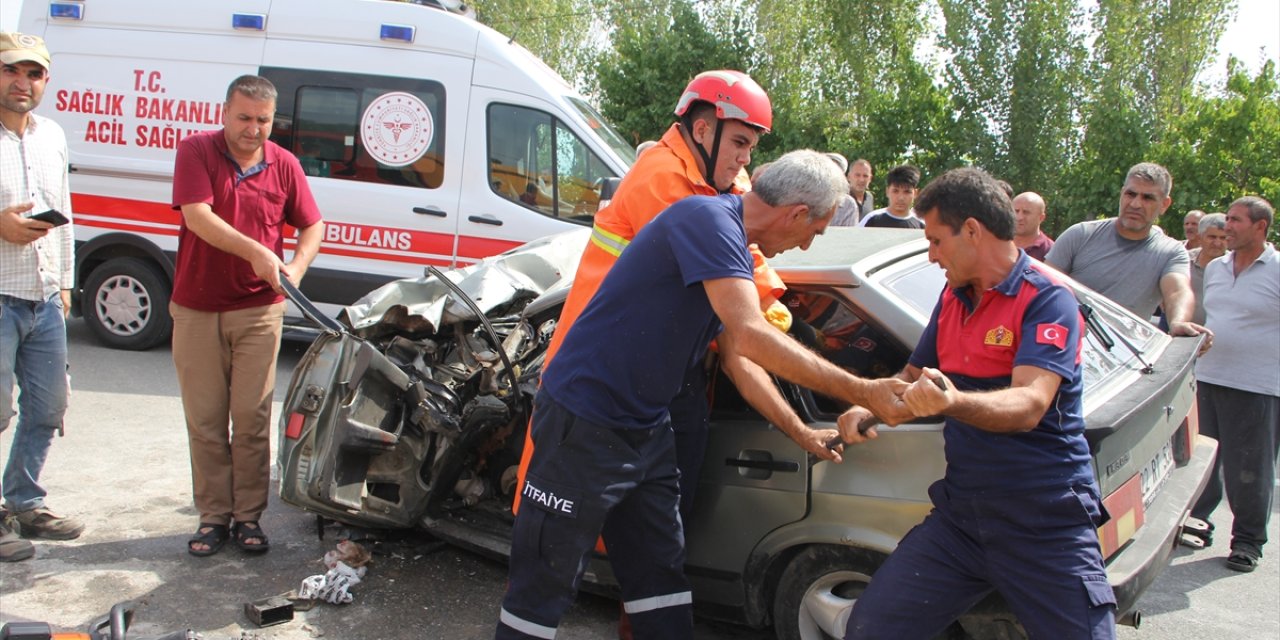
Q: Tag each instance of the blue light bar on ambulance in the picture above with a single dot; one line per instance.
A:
(401, 32)
(249, 21)
(66, 10)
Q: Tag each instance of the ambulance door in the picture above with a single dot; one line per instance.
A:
(383, 155)
(539, 176)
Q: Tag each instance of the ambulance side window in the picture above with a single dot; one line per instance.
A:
(537, 161)
(320, 138)
(361, 127)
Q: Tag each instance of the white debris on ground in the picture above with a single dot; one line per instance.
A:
(346, 568)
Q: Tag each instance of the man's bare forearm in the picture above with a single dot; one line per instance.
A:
(211, 228)
(785, 357)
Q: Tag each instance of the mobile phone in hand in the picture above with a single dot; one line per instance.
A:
(52, 216)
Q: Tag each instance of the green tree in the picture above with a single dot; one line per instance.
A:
(831, 65)
(1015, 79)
(654, 54)
(1146, 56)
(913, 124)
(1053, 95)
(559, 32)
(1223, 147)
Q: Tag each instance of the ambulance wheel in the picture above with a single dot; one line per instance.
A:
(817, 591)
(126, 303)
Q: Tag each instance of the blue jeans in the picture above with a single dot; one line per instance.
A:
(33, 353)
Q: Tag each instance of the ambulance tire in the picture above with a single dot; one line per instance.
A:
(819, 587)
(126, 304)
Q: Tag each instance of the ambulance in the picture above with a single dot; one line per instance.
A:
(428, 138)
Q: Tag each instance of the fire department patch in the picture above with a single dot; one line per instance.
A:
(396, 128)
(999, 337)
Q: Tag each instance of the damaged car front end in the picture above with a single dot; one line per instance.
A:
(419, 407)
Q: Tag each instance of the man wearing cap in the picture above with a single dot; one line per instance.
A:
(35, 293)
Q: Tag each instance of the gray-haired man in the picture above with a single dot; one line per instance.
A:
(1238, 383)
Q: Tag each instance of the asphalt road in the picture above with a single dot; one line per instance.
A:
(123, 468)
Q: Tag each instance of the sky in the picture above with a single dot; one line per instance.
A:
(1256, 26)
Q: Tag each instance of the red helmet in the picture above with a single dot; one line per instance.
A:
(735, 95)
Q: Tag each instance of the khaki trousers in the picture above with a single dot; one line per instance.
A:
(226, 363)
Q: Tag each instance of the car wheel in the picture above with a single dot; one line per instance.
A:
(126, 303)
(817, 592)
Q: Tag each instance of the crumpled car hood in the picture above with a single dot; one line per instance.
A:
(423, 305)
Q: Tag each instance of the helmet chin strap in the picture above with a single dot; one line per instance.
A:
(708, 161)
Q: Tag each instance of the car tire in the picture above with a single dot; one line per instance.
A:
(818, 588)
(817, 591)
(126, 304)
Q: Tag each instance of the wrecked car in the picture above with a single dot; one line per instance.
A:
(412, 415)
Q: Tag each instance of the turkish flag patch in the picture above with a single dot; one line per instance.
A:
(1050, 333)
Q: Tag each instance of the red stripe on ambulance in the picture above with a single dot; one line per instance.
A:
(340, 238)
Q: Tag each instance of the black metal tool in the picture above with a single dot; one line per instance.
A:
(872, 421)
(309, 308)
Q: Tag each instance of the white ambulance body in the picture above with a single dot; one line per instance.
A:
(429, 139)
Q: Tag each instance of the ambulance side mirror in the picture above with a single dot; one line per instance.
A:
(607, 188)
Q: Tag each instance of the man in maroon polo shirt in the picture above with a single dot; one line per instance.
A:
(236, 190)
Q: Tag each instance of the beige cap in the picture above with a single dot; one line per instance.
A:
(19, 47)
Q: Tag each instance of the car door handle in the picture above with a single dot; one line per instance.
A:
(485, 220)
(756, 460)
(764, 465)
(430, 211)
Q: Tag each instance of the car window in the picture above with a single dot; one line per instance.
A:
(917, 282)
(361, 127)
(1100, 363)
(537, 161)
(831, 327)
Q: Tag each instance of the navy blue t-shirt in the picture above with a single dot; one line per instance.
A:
(1028, 319)
(625, 358)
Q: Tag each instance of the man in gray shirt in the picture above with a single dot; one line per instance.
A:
(1129, 259)
(859, 178)
(1238, 383)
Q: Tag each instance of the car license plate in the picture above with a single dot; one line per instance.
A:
(1155, 473)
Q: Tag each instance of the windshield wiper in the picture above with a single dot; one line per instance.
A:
(1108, 337)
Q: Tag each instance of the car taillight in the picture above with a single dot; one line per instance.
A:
(1184, 440)
(294, 428)
(1127, 516)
